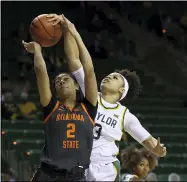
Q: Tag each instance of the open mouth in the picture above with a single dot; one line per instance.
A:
(106, 80)
(61, 86)
(145, 174)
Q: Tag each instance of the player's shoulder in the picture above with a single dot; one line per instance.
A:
(123, 107)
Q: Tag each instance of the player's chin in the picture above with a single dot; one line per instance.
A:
(104, 84)
(68, 92)
(103, 87)
(144, 175)
(63, 93)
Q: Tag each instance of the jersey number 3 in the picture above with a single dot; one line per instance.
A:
(98, 129)
(70, 130)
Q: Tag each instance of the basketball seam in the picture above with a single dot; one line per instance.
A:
(45, 28)
(33, 24)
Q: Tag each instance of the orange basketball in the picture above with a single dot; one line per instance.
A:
(43, 32)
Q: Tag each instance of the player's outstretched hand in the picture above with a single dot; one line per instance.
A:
(69, 26)
(63, 21)
(160, 150)
(31, 47)
(55, 19)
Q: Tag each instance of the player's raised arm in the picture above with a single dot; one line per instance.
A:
(75, 66)
(41, 72)
(136, 130)
(72, 52)
(70, 45)
(91, 91)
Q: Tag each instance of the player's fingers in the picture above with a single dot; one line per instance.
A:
(164, 152)
(64, 19)
(24, 43)
(158, 141)
(50, 15)
(61, 18)
(56, 22)
(25, 46)
(52, 19)
(162, 144)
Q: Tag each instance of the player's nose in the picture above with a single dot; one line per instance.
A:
(146, 170)
(62, 81)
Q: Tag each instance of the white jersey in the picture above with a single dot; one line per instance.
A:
(128, 177)
(110, 121)
(108, 129)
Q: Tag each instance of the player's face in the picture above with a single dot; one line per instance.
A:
(65, 85)
(142, 169)
(113, 83)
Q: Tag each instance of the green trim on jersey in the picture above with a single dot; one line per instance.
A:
(122, 121)
(117, 144)
(122, 128)
(117, 168)
(100, 102)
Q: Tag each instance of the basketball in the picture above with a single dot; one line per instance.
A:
(43, 32)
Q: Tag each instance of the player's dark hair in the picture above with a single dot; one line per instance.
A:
(53, 81)
(130, 157)
(134, 83)
(153, 160)
(79, 95)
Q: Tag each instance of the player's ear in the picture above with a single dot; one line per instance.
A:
(76, 86)
(121, 90)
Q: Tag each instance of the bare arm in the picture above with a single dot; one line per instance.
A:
(136, 130)
(74, 63)
(72, 52)
(91, 91)
(85, 58)
(41, 72)
(70, 45)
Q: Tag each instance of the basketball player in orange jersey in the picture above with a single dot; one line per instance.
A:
(68, 124)
(139, 162)
(112, 119)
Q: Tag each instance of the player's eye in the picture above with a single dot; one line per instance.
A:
(115, 77)
(65, 79)
(57, 81)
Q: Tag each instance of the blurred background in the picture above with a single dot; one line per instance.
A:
(148, 37)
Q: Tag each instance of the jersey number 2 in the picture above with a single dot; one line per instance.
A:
(70, 130)
(98, 129)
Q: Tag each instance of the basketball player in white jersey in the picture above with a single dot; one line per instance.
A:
(111, 121)
(112, 117)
